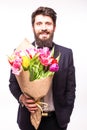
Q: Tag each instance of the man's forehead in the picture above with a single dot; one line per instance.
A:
(43, 18)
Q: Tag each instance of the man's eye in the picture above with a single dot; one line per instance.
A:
(39, 23)
(48, 23)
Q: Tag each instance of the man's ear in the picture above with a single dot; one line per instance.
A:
(54, 28)
(33, 28)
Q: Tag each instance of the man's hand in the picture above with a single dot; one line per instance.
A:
(28, 102)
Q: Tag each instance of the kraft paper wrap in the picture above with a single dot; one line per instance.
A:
(25, 44)
(36, 89)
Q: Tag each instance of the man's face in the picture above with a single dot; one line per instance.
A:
(43, 30)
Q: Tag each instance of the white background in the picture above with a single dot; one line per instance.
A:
(15, 25)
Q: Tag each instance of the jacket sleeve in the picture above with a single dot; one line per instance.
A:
(64, 87)
(71, 83)
(14, 87)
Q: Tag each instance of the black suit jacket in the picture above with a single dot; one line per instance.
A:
(63, 90)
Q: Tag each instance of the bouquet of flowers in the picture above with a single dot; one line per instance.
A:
(34, 69)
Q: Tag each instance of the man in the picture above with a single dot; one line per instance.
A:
(61, 96)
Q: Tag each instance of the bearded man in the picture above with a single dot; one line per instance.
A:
(61, 95)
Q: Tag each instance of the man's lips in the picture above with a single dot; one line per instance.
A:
(44, 32)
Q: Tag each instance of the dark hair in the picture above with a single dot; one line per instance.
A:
(46, 11)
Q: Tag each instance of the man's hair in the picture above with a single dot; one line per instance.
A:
(46, 11)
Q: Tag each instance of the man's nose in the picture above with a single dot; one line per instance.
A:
(44, 27)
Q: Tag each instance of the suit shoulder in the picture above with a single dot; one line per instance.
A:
(63, 48)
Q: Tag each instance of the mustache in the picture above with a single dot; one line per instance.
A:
(44, 31)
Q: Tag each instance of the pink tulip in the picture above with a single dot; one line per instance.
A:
(45, 57)
(54, 67)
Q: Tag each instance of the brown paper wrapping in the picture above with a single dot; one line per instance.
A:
(25, 44)
(36, 89)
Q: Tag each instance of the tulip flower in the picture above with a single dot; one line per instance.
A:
(39, 62)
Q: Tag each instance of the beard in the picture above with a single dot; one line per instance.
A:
(44, 42)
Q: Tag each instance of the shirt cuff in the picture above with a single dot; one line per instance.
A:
(20, 101)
